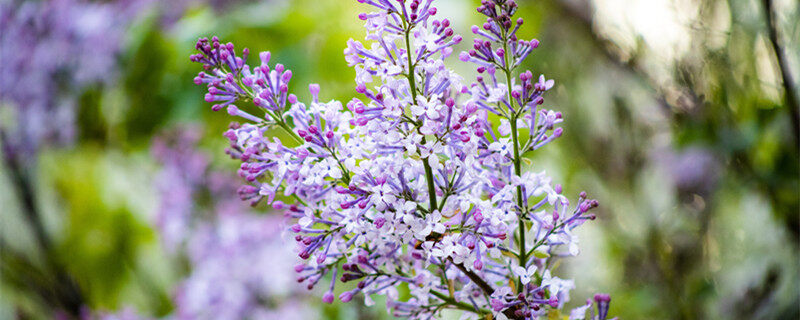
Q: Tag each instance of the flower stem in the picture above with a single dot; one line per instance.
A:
(459, 305)
(413, 86)
(523, 256)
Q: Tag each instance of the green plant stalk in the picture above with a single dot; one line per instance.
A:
(523, 256)
(412, 83)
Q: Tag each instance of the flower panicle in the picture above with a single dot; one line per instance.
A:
(413, 184)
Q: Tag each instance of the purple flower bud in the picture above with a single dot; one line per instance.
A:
(603, 301)
(314, 89)
(478, 216)
(346, 296)
(379, 222)
(327, 297)
(302, 153)
(498, 305)
(583, 207)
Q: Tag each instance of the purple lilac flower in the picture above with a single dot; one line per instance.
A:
(601, 302)
(240, 267)
(412, 184)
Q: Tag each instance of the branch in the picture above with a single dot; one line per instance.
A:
(64, 289)
(487, 288)
(792, 102)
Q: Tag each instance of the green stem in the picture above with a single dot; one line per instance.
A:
(459, 305)
(431, 187)
(412, 82)
(523, 256)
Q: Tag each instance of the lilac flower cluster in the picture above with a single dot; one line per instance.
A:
(240, 268)
(419, 184)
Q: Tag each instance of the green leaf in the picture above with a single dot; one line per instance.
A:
(541, 254)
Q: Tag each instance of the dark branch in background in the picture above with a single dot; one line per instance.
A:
(579, 14)
(483, 285)
(792, 102)
(61, 289)
(21, 181)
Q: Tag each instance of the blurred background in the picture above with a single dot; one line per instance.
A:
(117, 200)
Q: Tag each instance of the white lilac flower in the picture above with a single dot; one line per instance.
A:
(411, 184)
(524, 274)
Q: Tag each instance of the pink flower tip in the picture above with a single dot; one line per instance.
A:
(346, 296)
(327, 297)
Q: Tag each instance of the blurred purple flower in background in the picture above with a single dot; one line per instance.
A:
(694, 170)
(240, 267)
(51, 51)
